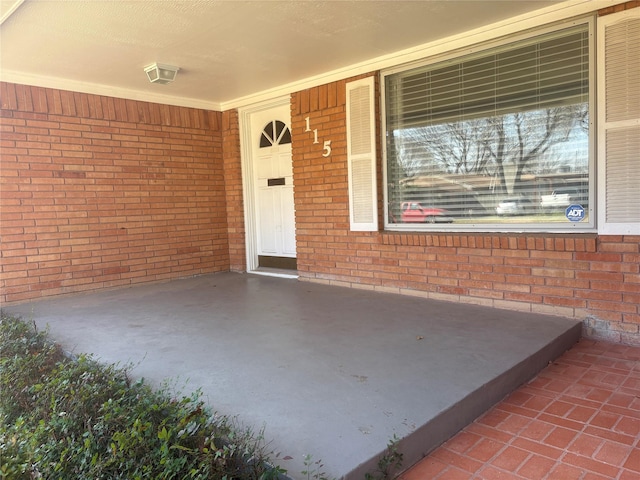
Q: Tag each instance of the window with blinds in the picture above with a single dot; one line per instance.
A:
(498, 137)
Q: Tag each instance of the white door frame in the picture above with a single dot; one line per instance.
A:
(248, 183)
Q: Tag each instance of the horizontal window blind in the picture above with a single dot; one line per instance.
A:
(554, 69)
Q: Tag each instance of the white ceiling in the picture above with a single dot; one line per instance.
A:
(230, 52)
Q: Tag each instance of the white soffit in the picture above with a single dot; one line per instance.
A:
(233, 53)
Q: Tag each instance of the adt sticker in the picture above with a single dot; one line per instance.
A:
(574, 213)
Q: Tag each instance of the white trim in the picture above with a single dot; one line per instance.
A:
(248, 187)
(105, 90)
(10, 11)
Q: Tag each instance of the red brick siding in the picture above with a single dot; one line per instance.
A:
(102, 192)
(619, 8)
(590, 277)
(233, 189)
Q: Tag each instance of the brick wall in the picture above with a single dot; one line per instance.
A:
(589, 277)
(102, 192)
(620, 7)
(233, 189)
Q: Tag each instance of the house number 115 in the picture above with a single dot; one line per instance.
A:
(326, 150)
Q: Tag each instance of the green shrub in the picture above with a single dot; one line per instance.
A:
(79, 419)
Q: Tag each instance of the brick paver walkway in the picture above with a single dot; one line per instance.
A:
(579, 419)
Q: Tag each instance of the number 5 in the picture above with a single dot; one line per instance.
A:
(327, 148)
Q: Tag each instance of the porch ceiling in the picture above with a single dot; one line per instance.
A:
(229, 52)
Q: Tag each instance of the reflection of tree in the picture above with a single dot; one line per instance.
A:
(412, 159)
(449, 147)
(490, 145)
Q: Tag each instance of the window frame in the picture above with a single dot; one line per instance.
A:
(458, 55)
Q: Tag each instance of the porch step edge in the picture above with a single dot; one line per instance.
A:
(417, 445)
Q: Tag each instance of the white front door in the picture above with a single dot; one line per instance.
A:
(273, 187)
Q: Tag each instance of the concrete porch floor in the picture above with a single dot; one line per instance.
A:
(328, 371)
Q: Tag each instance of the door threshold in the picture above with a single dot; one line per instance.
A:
(275, 272)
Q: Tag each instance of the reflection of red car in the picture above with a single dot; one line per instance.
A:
(414, 212)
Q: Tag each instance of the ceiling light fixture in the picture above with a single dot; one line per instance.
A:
(162, 74)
